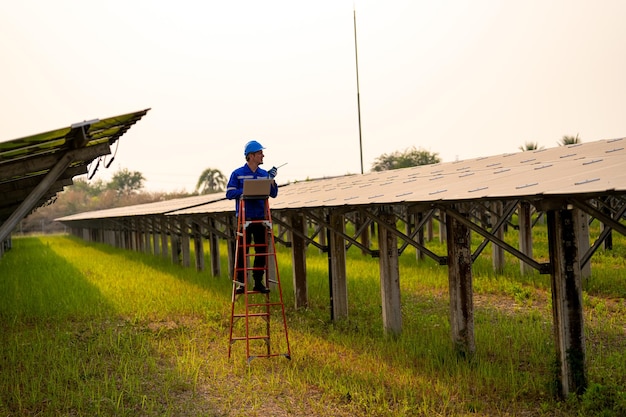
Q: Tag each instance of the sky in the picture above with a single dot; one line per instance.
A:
(459, 78)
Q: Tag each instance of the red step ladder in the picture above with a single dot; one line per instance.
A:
(252, 311)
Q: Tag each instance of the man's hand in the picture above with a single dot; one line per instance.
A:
(272, 172)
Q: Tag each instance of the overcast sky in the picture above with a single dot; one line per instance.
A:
(463, 79)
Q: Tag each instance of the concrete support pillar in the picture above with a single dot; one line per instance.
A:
(175, 239)
(337, 266)
(164, 234)
(185, 242)
(567, 302)
(583, 242)
(214, 249)
(298, 257)
(460, 285)
(232, 245)
(198, 245)
(389, 275)
(156, 241)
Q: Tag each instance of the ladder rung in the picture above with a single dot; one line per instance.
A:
(264, 304)
(259, 253)
(234, 339)
(251, 315)
(271, 355)
(251, 292)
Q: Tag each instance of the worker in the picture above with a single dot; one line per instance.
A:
(255, 210)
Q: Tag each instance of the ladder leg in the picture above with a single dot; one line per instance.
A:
(272, 244)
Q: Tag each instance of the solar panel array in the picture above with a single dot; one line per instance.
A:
(593, 168)
(147, 209)
(25, 162)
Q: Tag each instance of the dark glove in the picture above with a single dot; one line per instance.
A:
(272, 172)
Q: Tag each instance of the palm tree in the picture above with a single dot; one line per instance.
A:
(570, 140)
(530, 146)
(211, 181)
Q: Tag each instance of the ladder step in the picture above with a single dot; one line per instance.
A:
(271, 355)
(234, 339)
(264, 304)
(253, 292)
(250, 315)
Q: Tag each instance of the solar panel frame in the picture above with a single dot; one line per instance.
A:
(33, 156)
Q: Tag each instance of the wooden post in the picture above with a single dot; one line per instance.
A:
(155, 236)
(583, 242)
(460, 285)
(322, 236)
(175, 248)
(413, 219)
(214, 249)
(429, 228)
(298, 257)
(418, 217)
(525, 234)
(164, 240)
(497, 252)
(185, 243)
(567, 303)
(198, 246)
(147, 231)
(389, 275)
(606, 209)
(232, 245)
(134, 239)
(442, 226)
(339, 283)
(128, 234)
(365, 234)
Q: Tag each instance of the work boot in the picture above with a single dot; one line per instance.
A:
(259, 287)
(240, 288)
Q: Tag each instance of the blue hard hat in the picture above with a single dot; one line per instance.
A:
(252, 146)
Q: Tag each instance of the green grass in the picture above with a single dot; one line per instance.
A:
(87, 329)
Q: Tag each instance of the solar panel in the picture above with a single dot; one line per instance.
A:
(25, 162)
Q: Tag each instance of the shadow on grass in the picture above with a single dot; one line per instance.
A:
(66, 351)
(36, 283)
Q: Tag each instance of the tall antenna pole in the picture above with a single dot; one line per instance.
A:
(358, 94)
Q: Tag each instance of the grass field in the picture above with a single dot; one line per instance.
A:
(87, 329)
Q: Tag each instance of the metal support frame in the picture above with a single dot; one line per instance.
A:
(42, 188)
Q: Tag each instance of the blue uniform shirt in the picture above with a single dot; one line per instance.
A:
(255, 209)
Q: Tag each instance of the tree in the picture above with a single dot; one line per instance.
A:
(91, 188)
(126, 182)
(211, 181)
(409, 158)
(570, 140)
(530, 146)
